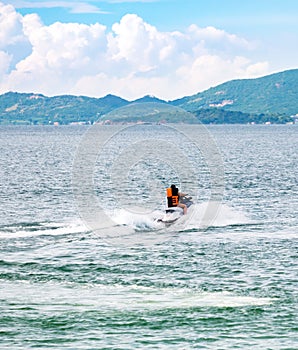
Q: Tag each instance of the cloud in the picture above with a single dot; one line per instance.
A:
(127, 1)
(74, 6)
(14, 44)
(132, 59)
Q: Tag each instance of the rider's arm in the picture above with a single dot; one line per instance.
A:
(182, 194)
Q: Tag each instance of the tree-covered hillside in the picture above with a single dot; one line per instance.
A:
(272, 94)
(149, 112)
(39, 109)
(273, 98)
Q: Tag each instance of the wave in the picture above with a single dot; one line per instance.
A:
(206, 215)
(119, 297)
(126, 221)
(138, 222)
(33, 229)
(197, 218)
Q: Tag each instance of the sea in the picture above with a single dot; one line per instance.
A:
(86, 264)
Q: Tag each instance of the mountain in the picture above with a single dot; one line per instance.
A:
(149, 98)
(110, 102)
(149, 112)
(275, 93)
(273, 98)
(24, 108)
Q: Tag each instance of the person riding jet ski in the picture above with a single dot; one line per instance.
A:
(174, 196)
(177, 205)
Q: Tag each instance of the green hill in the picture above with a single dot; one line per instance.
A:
(20, 108)
(149, 112)
(272, 94)
(272, 98)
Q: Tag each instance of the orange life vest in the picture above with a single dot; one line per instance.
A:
(172, 197)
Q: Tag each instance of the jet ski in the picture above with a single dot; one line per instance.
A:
(175, 213)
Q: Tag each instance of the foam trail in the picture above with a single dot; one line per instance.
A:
(119, 297)
(23, 230)
(224, 216)
(195, 219)
(137, 221)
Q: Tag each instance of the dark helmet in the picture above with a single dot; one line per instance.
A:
(175, 190)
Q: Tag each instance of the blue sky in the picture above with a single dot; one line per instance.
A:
(242, 17)
(168, 48)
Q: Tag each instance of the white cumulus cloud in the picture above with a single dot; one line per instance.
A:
(133, 59)
(73, 6)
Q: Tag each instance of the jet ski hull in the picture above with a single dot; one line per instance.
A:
(175, 213)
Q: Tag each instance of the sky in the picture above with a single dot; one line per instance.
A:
(132, 48)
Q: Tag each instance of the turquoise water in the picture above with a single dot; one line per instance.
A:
(133, 283)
